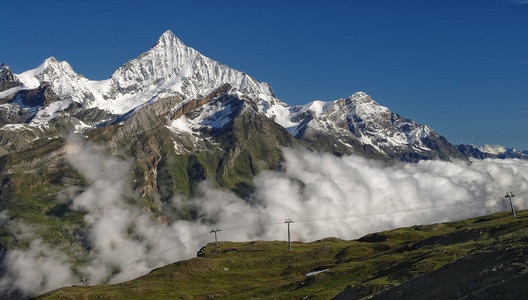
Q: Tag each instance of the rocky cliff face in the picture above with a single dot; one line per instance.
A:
(177, 143)
(7, 79)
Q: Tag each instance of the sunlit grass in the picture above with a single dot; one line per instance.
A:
(266, 269)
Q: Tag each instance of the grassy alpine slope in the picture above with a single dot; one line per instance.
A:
(483, 257)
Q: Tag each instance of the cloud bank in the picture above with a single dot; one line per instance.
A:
(326, 196)
(348, 197)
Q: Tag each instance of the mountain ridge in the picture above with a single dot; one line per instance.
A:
(68, 101)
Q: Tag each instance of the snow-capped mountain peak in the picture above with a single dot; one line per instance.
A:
(30, 77)
(57, 76)
(166, 65)
(49, 65)
(168, 38)
(360, 97)
(52, 69)
(359, 118)
(168, 68)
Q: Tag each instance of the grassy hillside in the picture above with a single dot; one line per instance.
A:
(34, 187)
(473, 257)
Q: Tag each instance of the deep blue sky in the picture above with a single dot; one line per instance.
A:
(459, 66)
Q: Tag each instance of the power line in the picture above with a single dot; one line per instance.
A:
(181, 244)
(301, 220)
(249, 226)
(178, 245)
(305, 220)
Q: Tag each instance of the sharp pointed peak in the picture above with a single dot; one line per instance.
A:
(359, 94)
(168, 33)
(50, 59)
(53, 61)
(168, 38)
(360, 97)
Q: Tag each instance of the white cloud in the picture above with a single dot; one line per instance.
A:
(119, 232)
(319, 186)
(320, 192)
(35, 270)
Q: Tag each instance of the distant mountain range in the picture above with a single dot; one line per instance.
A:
(52, 99)
(492, 151)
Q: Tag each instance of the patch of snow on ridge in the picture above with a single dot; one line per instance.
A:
(315, 272)
(219, 118)
(10, 91)
(418, 134)
(182, 124)
(98, 88)
(212, 115)
(365, 140)
(492, 149)
(29, 79)
(319, 107)
(81, 127)
(48, 113)
(282, 114)
(14, 126)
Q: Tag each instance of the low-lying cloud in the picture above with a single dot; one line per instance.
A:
(348, 197)
(325, 195)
